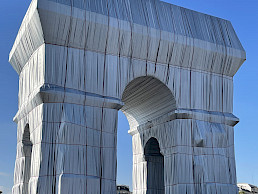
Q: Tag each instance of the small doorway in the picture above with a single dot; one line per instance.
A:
(155, 167)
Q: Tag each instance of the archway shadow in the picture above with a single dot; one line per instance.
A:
(155, 167)
(27, 151)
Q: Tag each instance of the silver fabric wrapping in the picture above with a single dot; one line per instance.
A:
(169, 69)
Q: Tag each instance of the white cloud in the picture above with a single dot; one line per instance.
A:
(6, 190)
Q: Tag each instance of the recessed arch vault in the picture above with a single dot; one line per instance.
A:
(146, 98)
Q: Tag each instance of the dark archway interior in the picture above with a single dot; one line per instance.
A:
(155, 167)
(146, 98)
(27, 150)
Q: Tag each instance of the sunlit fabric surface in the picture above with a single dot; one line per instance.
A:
(169, 69)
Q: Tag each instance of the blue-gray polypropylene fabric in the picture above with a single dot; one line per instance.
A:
(164, 16)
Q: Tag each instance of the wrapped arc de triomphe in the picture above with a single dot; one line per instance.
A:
(169, 69)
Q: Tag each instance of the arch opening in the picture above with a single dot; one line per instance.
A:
(27, 151)
(146, 98)
(124, 152)
(155, 167)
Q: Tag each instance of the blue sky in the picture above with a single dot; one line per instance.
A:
(244, 16)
